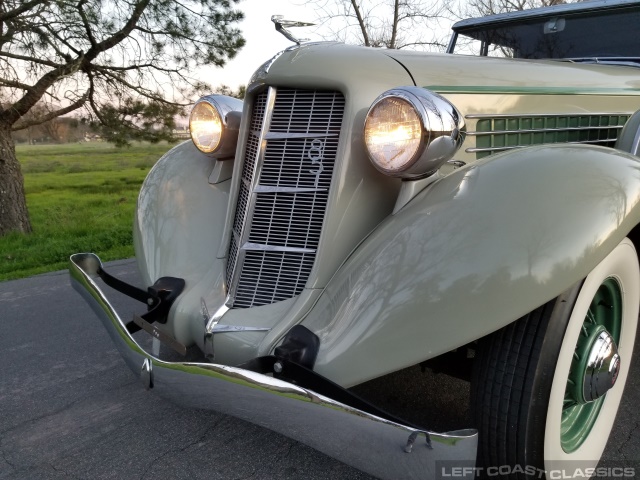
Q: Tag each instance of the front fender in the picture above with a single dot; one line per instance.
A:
(177, 232)
(470, 254)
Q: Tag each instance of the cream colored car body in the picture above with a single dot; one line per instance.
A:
(472, 252)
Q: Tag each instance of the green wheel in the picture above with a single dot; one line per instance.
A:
(546, 388)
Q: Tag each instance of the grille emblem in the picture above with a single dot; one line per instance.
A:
(316, 155)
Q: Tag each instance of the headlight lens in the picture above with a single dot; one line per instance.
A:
(392, 133)
(410, 132)
(206, 127)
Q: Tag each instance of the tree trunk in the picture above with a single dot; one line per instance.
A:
(13, 206)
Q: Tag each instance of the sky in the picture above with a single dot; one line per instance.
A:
(263, 42)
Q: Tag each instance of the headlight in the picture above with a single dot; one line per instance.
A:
(214, 125)
(410, 132)
(205, 125)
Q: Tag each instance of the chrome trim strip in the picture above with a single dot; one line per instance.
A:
(544, 130)
(495, 149)
(272, 189)
(379, 447)
(274, 248)
(210, 326)
(260, 74)
(213, 321)
(635, 146)
(213, 326)
(598, 58)
(285, 136)
(500, 149)
(544, 115)
(246, 226)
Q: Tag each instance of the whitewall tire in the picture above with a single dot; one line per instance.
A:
(546, 389)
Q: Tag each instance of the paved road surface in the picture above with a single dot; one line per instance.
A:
(70, 408)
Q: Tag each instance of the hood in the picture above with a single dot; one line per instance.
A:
(336, 66)
(446, 73)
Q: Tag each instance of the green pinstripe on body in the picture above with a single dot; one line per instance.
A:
(511, 90)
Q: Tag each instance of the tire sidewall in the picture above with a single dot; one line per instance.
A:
(622, 265)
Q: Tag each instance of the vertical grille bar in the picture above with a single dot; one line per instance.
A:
(283, 194)
(258, 127)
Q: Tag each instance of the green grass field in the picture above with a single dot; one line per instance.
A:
(81, 198)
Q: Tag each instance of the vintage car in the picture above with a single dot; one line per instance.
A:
(366, 210)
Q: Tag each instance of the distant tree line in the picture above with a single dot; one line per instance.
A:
(57, 130)
(78, 129)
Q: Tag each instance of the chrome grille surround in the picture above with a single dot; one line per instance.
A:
(288, 166)
(497, 133)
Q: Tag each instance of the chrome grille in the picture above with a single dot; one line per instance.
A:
(286, 176)
(270, 277)
(248, 170)
(289, 219)
(504, 132)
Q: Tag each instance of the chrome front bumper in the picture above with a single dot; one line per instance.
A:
(377, 446)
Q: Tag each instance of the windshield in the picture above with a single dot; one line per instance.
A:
(609, 34)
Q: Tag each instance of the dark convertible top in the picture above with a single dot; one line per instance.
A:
(568, 8)
(600, 31)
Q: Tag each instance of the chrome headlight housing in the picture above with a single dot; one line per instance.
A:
(410, 132)
(214, 124)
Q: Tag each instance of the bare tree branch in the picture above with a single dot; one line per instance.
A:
(22, 106)
(363, 28)
(382, 23)
(85, 21)
(51, 115)
(46, 36)
(394, 26)
(14, 84)
(120, 35)
(25, 58)
(437, 45)
(25, 7)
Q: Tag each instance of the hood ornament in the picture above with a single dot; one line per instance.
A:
(281, 23)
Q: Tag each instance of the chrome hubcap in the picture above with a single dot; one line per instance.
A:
(602, 369)
(595, 365)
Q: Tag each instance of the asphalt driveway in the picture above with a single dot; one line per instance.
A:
(70, 408)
